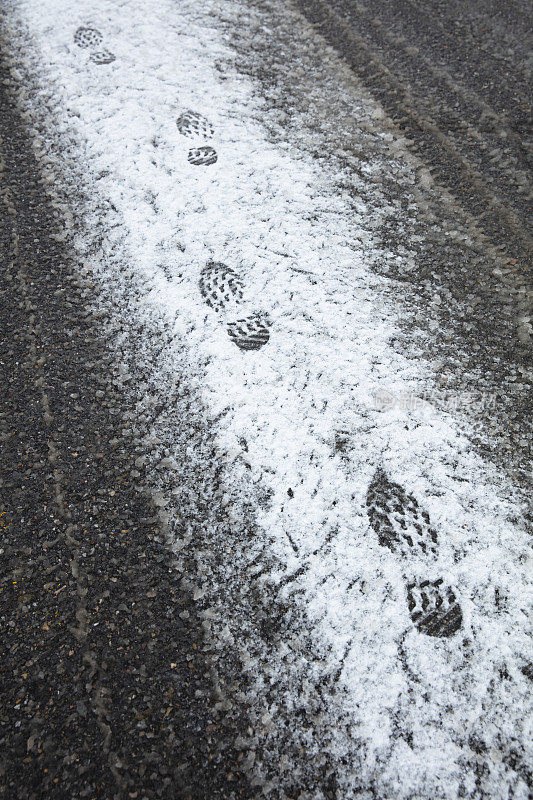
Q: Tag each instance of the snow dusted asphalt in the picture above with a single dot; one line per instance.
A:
(381, 542)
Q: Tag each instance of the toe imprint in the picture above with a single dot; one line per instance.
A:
(102, 56)
(434, 608)
(220, 285)
(398, 520)
(88, 37)
(194, 125)
(252, 332)
(202, 156)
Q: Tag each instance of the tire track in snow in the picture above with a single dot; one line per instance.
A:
(454, 104)
(342, 637)
(460, 166)
(452, 279)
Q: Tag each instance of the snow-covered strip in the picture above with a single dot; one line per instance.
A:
(404, 550)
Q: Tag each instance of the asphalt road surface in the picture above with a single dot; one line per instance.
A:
(265, 408)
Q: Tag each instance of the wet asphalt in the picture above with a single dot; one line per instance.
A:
(456, 79)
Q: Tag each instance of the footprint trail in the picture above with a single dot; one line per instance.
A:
(334, 583)
(89, 38)
(193, 125)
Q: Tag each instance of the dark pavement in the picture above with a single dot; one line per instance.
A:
(104, 691)
(456, 79)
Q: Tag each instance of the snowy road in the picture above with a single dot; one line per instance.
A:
(313, 430)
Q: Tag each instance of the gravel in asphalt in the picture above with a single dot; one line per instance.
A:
(104, 691)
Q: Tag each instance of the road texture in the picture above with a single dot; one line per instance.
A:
(265, 314)
(104, 691)
(453, 80)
